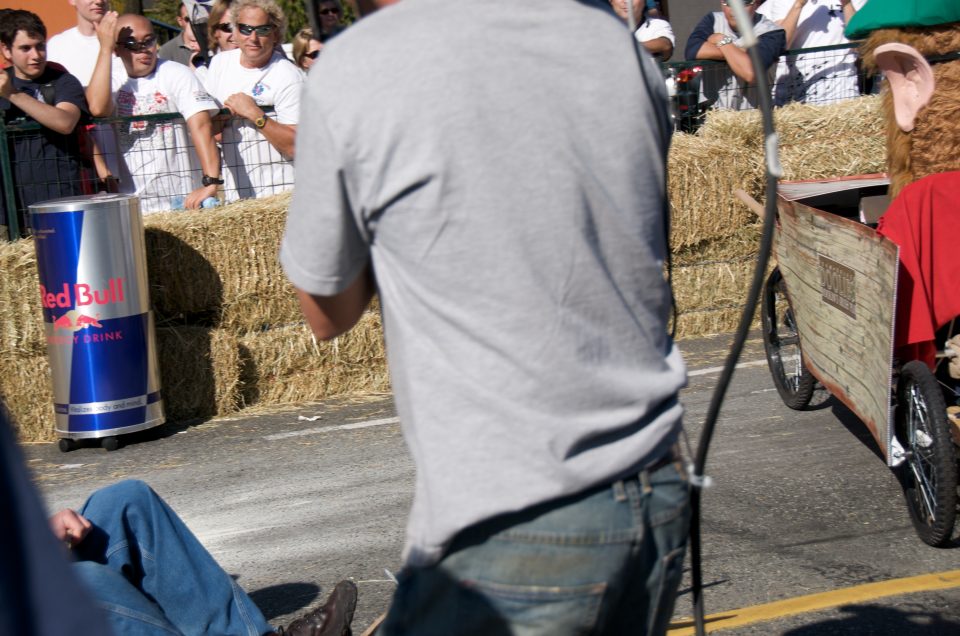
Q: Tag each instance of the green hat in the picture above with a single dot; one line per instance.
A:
(897, 14)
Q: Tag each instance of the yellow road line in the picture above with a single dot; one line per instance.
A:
(821, 601)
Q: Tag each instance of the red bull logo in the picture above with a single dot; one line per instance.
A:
(74, 321)
(81, 295)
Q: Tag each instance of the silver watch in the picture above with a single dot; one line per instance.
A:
(729, 39)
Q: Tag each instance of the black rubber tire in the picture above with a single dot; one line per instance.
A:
(66, 445)
(110, 444)
(929, 474)
(794, 382)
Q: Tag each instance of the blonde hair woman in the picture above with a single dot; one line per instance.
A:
(306, 49)
(219, 28)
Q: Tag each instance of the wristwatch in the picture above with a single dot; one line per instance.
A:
(209, 181)
(260, 121)
(728, 39)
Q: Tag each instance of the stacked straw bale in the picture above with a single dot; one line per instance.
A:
(199, 371)
(288, 364)
(27, 393)
(221, 266)
(21, 326)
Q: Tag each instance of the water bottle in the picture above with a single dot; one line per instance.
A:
(210, 202)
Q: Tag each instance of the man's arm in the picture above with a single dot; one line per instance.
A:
(61, 118)
(736, 58)
(280, 136)
(790, 21)
(661, 47)
(330, 316)
(200, 126)
(99, 96)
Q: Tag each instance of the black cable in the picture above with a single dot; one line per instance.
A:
(743, 331)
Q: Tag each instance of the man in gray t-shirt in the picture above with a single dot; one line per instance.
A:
(504, 193)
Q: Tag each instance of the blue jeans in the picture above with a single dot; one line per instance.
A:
(607, 561)
(151, 575)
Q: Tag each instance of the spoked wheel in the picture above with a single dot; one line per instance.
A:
(794, 382)
(929, 474)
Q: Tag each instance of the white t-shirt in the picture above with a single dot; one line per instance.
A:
(653, 28)
(253, 168)
(819, 78)
(159, 163)
(76, 52)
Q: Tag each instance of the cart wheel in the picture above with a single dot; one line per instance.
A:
(110, 443)
(794, 382)
(929, 475)
(66, 445)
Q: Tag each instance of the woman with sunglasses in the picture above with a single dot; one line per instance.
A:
(219, 28)
(257, 146)
(306, 49)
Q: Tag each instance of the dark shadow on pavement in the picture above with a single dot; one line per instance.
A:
(287, 598)
(879, 621)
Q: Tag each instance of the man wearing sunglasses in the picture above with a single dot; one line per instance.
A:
(157, 162)
(329, 15)
(258, 146)
(717, 37)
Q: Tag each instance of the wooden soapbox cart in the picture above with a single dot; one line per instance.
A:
(828, 318)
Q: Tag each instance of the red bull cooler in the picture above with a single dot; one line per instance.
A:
(99, 327)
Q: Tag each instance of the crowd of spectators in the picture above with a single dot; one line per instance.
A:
(229, 55)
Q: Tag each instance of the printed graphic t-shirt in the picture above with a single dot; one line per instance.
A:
(159, 162)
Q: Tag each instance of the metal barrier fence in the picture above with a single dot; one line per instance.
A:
(821, 75)
(150, 155)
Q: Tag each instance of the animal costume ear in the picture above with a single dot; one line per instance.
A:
(911, 81)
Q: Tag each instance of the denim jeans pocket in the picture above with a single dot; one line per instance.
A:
(541, 609)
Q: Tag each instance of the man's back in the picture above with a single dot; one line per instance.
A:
(510, 185)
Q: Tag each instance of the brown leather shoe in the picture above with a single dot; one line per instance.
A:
(332, 619)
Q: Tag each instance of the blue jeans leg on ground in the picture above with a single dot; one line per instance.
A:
(605, 562)
(138, 536)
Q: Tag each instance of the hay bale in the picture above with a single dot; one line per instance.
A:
(220, 266)
(21, 316)
(27, 391)
(798, 123)
(716, 285)
(703, 174)
(199, 372)
(710, 322)
(288, 364)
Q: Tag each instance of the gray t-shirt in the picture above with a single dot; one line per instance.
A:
(505, 176)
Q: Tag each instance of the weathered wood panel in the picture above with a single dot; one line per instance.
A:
(841, 278)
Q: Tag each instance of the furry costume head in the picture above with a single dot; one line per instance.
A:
(922, 105)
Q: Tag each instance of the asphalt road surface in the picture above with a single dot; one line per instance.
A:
(291, 501)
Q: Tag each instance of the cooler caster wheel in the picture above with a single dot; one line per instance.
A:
(110, 443)
(66, 445)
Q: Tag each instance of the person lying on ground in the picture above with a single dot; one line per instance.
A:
(151, 575)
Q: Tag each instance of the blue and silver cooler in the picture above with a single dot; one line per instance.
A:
(96, 310)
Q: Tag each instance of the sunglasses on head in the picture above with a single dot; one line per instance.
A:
(262, 30)
(132, 45)
(226, 27)
(746, 3)
(329, 11)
